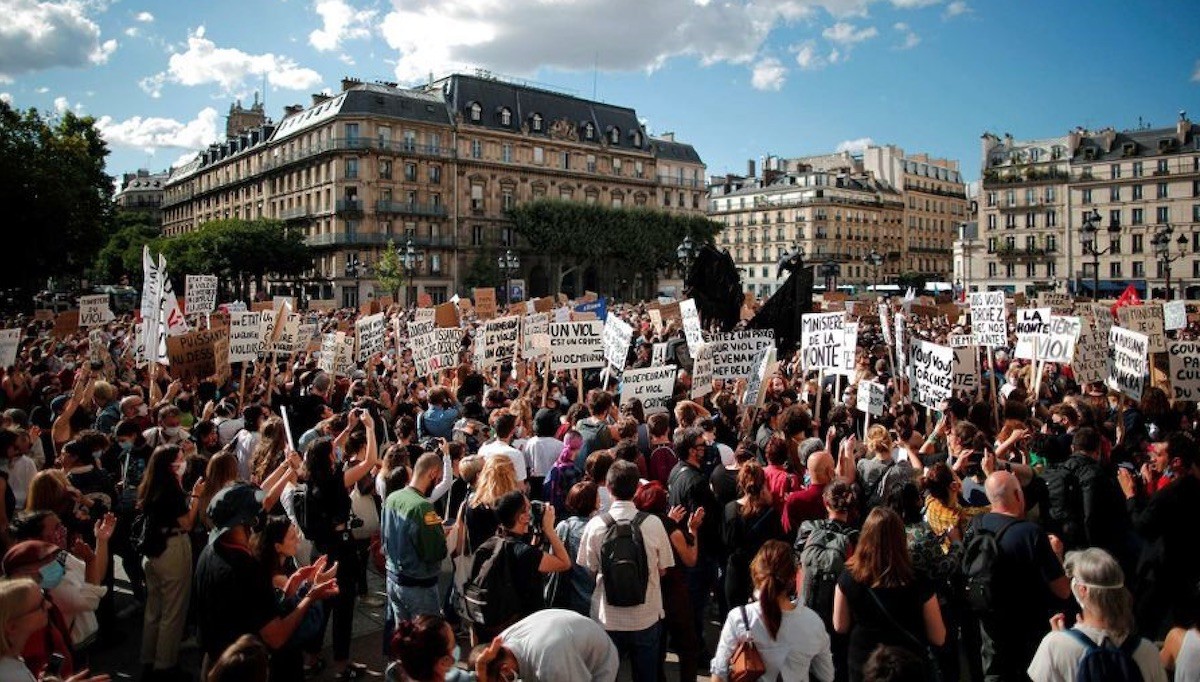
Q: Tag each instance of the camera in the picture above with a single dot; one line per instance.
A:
(354, 522)
(537, 509)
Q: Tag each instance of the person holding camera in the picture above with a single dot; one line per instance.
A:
(329, 525)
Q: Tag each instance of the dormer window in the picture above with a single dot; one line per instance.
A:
(614, 135)
(535, 123)
(637, 138)
(505, 116)
(475, 111)
(589, 131)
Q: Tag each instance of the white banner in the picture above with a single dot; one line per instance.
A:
(1145, 319)
(1060, 344)
(200, 294)
(966, 369)
(500, 337)
(756, 387)
(435, 350)
(821, 338)
(533, 327)
(1128, 361)
(691, 324)
(735, 353)
(988, 324)
(1174, 315)
(849, 348)
(1184, 359)
(1033, 329)
(932, 373)
(245, 335)
(617, 337)
(871, 398)
(93, 311)
(577, 345)
(654, 386)
(702, 371)
(885, 323)
(10, 341)
(370, 333)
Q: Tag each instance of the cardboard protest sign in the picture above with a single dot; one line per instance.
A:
(1145, 319)
(485, 303)
(1059, 345)
(988, 324)
(369, 307)
(446, 315)
(951, 311)
(198, 355)
(658, 355)
(322, 304)
(960, 340)
(901, 344)
(670, 311)
(756, 386)
(1033, 329)
(595, 306)
(617, 337)
(821, 339)
(1174, 315)
(702, 371)
(329, 352)
(500, 340)
(1128, 361)
(885, 323)
(925, 310)
(288, 339)
(583, 317)
(370, 332)
(656, 320)
(345, 356)
(577, 345)
(424, 300)
(871, 398)
(966, 369)
(435, 350)
(308, 336)
(10, 342)
(93, 311)
(1019, 299)
(543, 305)
(261, 306)
(245, 335)
(691, 325)
(278, 302)
(1059, 304)
(534, 328)
(735, 354)
(43, 315)
(1184, 361)
(418, 327)
(932, 373)
(849, 348)
(1101, 318)
(199, 294)
(1091, 353)
(65, 324)
(654, 386)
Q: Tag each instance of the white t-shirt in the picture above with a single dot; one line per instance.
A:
(1059, 654)
(542, 452)
(21, 471)
(13, 669)
(499, 447)
(78, 599)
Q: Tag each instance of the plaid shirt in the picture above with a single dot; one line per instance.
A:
(942, 518)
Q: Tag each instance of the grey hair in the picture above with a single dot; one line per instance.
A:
(1107, 595)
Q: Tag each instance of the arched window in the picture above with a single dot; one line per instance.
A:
(614, 135)
(637, 138)
(535, 122)
(505, 117)
(589, 131)
(476, 112)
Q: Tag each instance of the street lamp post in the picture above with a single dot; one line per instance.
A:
(410, 259)
(874, 259)
(1091, 230)
(509, 263)
(355, 268)
(685, 253)
(1162, 251)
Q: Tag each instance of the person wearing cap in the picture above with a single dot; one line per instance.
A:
(235, 594)
(44, 563)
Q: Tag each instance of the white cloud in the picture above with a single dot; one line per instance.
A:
(911, 39)
(843, 33)
(151, 133)
(808, 56)
(145, 17)
(185, 157)
(204, 63)
(339, 22)
(6, 97)
(956, 8)
(61, 105)
(42, 90)
(42, 34)
(853, 146)
(769, 74)
(1196, 72)
(913, 4)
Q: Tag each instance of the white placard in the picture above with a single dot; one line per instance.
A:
(702, 371)
(329, 352)
(245, 335)
(735, 353)
(821, 339)
(656, 320)
(654, 386)
(577, 345)
(901, 344)
(1174, 315)
(500, 337)
(534, 326)
(617, 337)
(658, 357)
(10, 341)
(417, 328)
(1059, 304)
(1091, 355)
(966, 369)
(960, 340)
(1060, 343)
(1128, 361)
(435, 350)
(94, 311)
(756, 387)
(288, 340)
(200, 294)
(562, 315)
(1145, 319)
(370, 332)
(871, 398)
(1033, 329)
(849, 348)
(988, 325)
(932, 373)
(885, 323)
(1184, 359)
(691, 324)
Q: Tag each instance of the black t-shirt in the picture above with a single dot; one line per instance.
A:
(234, 597)
(481, 524)
(163, 511)
(305, 412)
(724, 485)
(527, 580)
(872, 627)
(330, 501)
(1022, 576)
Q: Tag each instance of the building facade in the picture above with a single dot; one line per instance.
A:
(142, 191)
(1136, 188)
(436, 166)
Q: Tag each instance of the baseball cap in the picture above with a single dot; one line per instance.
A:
(30, 553)
(234, 505)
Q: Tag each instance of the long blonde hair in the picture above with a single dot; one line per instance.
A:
(879, 441)
(12, 602)
(269, 452)
(499, 476)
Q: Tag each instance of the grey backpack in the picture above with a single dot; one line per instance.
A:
(823, 547)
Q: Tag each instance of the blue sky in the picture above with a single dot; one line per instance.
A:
(736, 78)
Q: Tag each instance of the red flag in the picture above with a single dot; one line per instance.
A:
(1128, 297)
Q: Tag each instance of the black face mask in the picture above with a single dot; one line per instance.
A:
(1058, 429)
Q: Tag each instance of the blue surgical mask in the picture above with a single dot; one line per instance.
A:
(51, 575)
(126, 445)
(456, 653)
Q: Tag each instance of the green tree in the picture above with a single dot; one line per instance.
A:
(916, 280)
(482, 271)
(121, 255)
(390, 271)
(56, 195)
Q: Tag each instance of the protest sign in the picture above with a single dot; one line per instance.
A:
(901, 344)
(735, 353)
(322, 304)
(278, 302)
(516, 290)
(576, 345)
(821, 339)
(544, 304)
(702, 371)
(424, 300)
(617, 337)
(1033, 329)
(66, 323)
(435, 350)
(1174, 315)
(446, 315)
(1091, 355)
(988, 324)
(329, 351)
(691, 324)
(1102, 319)
(932, 373)
(199, 294)
(654, 386)
(370, 332)
(417, 328)
(849, 348)
(93, 311)
(485, 303)
(1145, 319)
(562, 314)
(261, 306)
(307, 334)
(500, 340)
(345, 356)
(288, 340)
(10, 342)
(670, 311)
(656, 320)
(596, 306)
(43, 315)
(658, 357)
(966, 369)
(1128, 361)
(198, 355)
(885, 322)
(534, 328)
(871, 398)
(756, 386)
(245, 336)
(1059, 304)
(1184, 361)
(960, 340)
(1060, 342)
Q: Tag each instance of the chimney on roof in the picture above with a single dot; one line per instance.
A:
(1108, 136)
(1182, 127)
(292, 110)
(320, 98)
(668, 136)
(349, 82)
(750, 168)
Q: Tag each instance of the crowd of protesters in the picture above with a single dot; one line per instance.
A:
(541, 528)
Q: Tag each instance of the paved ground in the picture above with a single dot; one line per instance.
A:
(122, 661)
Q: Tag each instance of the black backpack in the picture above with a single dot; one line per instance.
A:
(980, 555)
(1105, 662)
(300, 509)
(1066, 504)
(623, 561)
(488, 597)
(145, 539)
(822, 547)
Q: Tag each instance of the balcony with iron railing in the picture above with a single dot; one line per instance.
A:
(677, 181)
(1027, 253)
(377, 239)
(349, 206)
(408, 208)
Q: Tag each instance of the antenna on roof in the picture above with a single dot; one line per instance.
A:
(595, 71)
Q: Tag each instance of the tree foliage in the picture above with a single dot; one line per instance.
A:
(121, 256)
(56, 195)
(389, 271)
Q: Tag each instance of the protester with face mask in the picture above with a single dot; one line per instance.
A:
(170, 514)
(415, 544)
(169, 430)
(424, 650)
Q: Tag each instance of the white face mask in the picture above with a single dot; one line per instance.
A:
(171, 431)
(142, 410)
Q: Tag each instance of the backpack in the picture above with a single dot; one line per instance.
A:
(623, 561)
(145, 539)
(823, 547)
(1105, 662)
(1066, 504)
(302, 505)
(878, 494)
(980, 554)
(596, 436)
(559, 482)
(488, 596)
